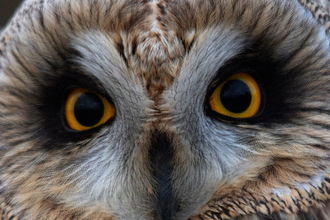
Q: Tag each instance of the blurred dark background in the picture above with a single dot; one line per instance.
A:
(7, 9)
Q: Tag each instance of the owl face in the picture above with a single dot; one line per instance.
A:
(164, 110)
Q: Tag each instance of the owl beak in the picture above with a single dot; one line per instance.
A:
(161, 154)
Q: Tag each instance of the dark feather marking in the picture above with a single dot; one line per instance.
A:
(20, 93)
(161, 155)
(27, 71)
(69, 23)
(234, 5)
(13, 74)
(54, 67)
(41, 16)
(120, 49)
(53, 42)
(161, 8)
(257, 20)
(239, 14)
(322, 147)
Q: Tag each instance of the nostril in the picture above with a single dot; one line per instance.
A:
(161, 155)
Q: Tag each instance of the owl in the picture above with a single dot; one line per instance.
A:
(165, 110)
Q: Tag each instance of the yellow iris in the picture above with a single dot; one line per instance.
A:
(237, 97)
(86, 109)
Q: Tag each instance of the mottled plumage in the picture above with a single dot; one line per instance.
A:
(165, 154)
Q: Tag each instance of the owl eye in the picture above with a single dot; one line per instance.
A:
(237, 97)
(86, 109)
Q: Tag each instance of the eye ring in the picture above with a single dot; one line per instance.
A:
(241, 98)
(85, 110)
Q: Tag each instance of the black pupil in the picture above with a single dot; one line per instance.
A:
(235, 96)
(89, 109)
